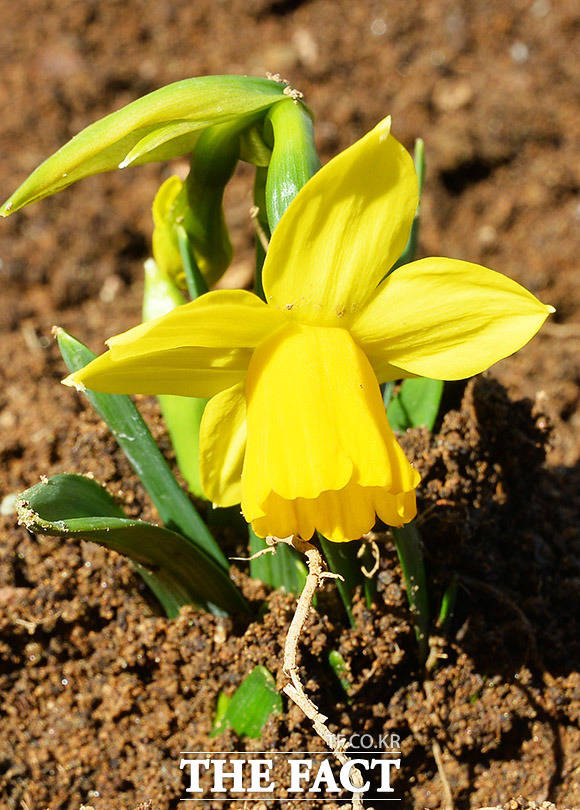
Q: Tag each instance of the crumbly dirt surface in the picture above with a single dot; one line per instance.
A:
(99, 692)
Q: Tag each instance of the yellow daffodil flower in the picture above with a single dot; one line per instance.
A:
(296, 429)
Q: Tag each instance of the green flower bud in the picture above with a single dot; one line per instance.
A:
(162, 125)
(294, 158)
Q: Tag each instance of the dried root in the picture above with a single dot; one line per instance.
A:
(294, 689)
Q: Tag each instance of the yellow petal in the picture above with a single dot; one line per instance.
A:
(196, 350)
(343, 231)
(222, 445)
(446, 319)
(232, 319)
(386, 372)
(339, 516)
(317, 429)
(189, 372)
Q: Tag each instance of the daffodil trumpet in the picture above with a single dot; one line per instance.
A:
(296, 429)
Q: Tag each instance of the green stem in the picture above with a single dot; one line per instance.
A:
(342, 559)
(340, 669)
(262, 223)
(294, 158)
(284, 569)
(196, 283)
(447, 605)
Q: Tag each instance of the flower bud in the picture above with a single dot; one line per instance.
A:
(162, 125)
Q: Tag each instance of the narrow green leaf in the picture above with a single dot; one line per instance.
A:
(118, 411)
(447, 605)
(294, 157)
(387, 390)
(251, 705)
(177, 572)
(409, 550)
(196, 283)
(182, 416)
(342, 559)
(162, 125)
(163, 137)
(262, 227)
(416, 404)
(340, 669)
(283, 569)
(219, 721)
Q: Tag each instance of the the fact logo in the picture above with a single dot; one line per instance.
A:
(291, 774)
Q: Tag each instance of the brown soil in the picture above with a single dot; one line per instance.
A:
(99, 692)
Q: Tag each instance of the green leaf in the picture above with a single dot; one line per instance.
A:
(410, 552)
(447, 605)
(387, 390)
(196, 283)
(283, 569)
(340, 669)
(127, 426)
(160, 143)
(177, 572)
(342, 558)
(183, 416)
(162, 125)
(262, 227)
(250, 707)
(294, 158)
(416, 404)
(219, 722)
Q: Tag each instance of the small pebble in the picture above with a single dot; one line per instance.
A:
(487, 235)
(8, 505)
(519, 52)
(541, 8)
(378, 27)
